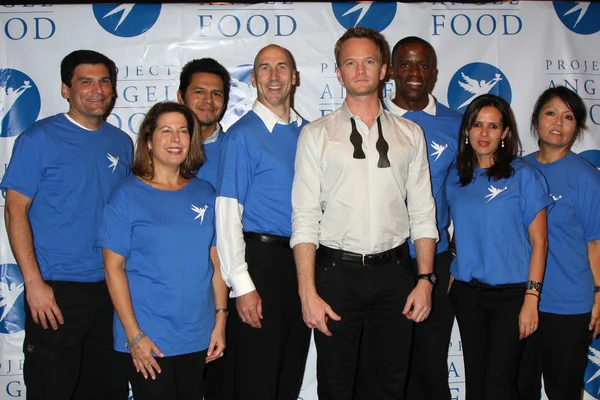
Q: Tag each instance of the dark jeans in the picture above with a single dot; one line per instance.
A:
(269, 362)
(428, 372)
(180, 378)
(76, 361)
(558, 350)
(373, 336)
(488, 320)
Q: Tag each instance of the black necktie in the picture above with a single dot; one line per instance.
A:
(356, 141)
(382, 148)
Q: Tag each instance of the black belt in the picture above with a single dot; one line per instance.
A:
(273, 240)
(364, 259)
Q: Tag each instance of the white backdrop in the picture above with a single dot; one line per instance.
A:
(512, 48)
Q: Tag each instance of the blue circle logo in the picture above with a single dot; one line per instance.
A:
(126, 20)
(241, 95)
(593, 157)
(591, 383)
(578, 16)
(20, 102)
(12, 299)
(367, 14)
(476, 79)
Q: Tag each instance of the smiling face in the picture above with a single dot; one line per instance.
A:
(89, 95)
(170, 141)
(205, 97)
(360, 68)
(556, 125)
(486, 133)
(414, 73)
(273, 77)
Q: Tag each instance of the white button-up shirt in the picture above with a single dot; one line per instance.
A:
(351, 204)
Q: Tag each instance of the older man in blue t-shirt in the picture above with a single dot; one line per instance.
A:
(254, 223)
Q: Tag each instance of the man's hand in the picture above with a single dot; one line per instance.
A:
(44, 310)
(249, 307)
(418, 303)
(595, 319)
(316, 312)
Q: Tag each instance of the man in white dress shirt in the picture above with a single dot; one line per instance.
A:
(361, 188)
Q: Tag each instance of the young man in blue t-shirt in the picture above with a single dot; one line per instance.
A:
(254, 223)
(204, 87)
(62, 170)
(414, 70)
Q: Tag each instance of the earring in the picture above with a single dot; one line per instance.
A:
(467, 139)
(150, 151)
(502, 143)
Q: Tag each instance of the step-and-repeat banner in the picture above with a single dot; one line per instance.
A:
(512, 48)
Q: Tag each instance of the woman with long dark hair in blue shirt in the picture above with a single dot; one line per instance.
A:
(570, 301)
(498, 206)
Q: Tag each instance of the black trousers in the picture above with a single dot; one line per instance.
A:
(558, 350)
(269, 362)
(76, 361)
(218, 374)
(178, 379)
(370, 345)
(488, 320)
(428, 372)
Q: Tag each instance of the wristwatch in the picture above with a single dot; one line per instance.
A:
(432, 277)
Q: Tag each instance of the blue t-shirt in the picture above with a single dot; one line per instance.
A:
(69, 173)
(491, 219)
(257, 169)
(574, 221)
(166, 238)
(212, 153)
(441, 134)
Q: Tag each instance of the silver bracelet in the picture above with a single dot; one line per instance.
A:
(129, 343)
(222, 311)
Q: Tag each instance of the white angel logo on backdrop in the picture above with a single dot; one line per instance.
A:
(477, 88)
(125, 9)
(580, 6)
(595, 359)
(364, 8)
(243, 91)
(9, 293)
(9, 96)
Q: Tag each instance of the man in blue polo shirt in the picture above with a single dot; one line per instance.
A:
(62, 170)
(204, 87)
(414, 70)
(253, 211)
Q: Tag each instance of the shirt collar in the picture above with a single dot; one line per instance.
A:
(347, 114)
(77, 123)
(213, 138)
(429, 109)
(270, 119)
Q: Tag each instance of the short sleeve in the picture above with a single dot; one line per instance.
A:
(25, 171)
(234, 177)
(587, 194)
(114, 232)
(535, 195)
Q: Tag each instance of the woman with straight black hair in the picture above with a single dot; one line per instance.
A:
(570, 301)
(498, 206)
